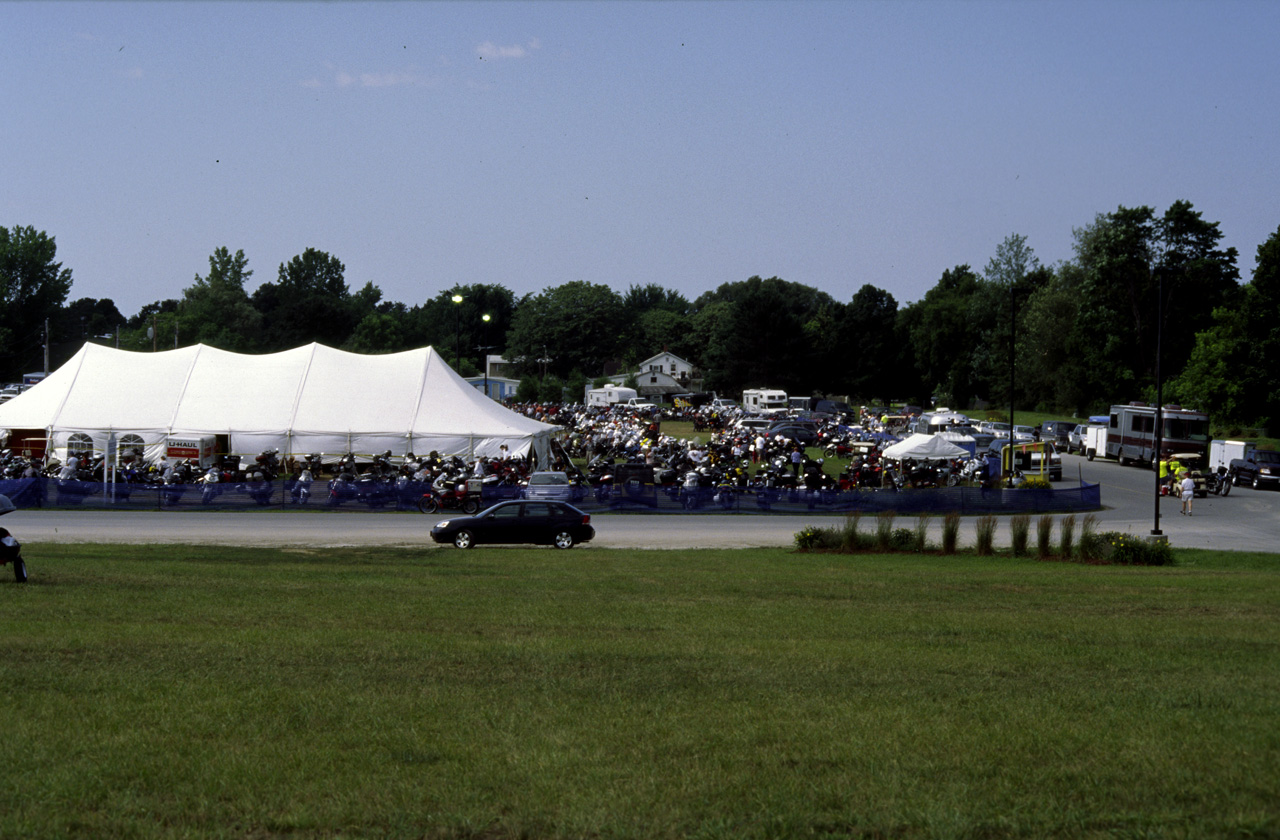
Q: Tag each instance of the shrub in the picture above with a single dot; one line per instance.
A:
(1067, 545)
(902, 539)
(921, 542)
(1035, 482)
(884, 530)
(1018, 527)
(1128, 550)
(950, 532)
(807, 538)
(1044, 536)
(986, 535)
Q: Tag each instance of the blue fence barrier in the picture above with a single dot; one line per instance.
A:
(47, 492)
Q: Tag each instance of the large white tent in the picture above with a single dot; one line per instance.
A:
(925, 447)
(311, 399)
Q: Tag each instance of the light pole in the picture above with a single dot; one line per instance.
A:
(457, 333)
(484, 350)
(1155, 457)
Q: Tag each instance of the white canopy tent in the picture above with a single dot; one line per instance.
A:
(925, 447)
(311, 399)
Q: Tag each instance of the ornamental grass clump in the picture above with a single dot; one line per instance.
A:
(1044, 537)
(850, 538)
(921, 542)
(1092, 545)
(950, 532)
(985, 545)
(884, 530)
(1066, 544)
(1019, 526)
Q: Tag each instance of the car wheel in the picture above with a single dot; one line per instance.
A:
(564, 540)
(1088, 455)
(464, 539)
(1257, 483)
(19, 570)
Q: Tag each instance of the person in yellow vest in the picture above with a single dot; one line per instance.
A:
(1175, 468)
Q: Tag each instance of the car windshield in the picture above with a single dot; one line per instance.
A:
(1266, 456)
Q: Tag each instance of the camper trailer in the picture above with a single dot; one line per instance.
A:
(1131, 432)
(610, 395)
(764, 400)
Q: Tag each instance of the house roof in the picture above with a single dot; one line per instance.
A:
(654, 358)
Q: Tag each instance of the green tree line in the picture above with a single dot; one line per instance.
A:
(1074, 337)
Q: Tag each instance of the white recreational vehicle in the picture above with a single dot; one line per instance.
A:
(1131, 432)
(764, 400)
(610, 395)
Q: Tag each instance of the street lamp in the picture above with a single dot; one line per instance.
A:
(457, 332)
(484, 350)
(1155, 457)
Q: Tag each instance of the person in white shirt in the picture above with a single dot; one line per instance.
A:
(1188, 492)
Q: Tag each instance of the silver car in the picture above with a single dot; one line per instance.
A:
(548, 485)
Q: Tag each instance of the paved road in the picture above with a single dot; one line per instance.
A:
(1247, 520)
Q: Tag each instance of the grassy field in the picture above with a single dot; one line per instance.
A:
(214, 692)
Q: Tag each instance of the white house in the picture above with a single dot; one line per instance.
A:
(668, 363)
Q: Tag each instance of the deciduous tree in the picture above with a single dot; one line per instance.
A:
(215, 309)
(33, 287)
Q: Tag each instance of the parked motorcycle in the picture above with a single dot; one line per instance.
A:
(10, 548)
(1218, 482)
(456, 498)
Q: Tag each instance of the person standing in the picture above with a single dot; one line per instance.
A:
(1188, 492)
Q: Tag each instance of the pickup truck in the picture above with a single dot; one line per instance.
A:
(637, 404)
(1258, 468)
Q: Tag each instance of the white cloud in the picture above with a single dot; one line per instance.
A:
(343, 79)
(387, 79)
(490, 50)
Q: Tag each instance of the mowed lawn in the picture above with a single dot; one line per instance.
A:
(213, 692)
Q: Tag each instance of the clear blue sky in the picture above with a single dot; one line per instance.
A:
(679, 143)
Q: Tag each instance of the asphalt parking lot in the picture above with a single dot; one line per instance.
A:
(1246, 520)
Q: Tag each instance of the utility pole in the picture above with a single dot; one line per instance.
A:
(46, 346)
